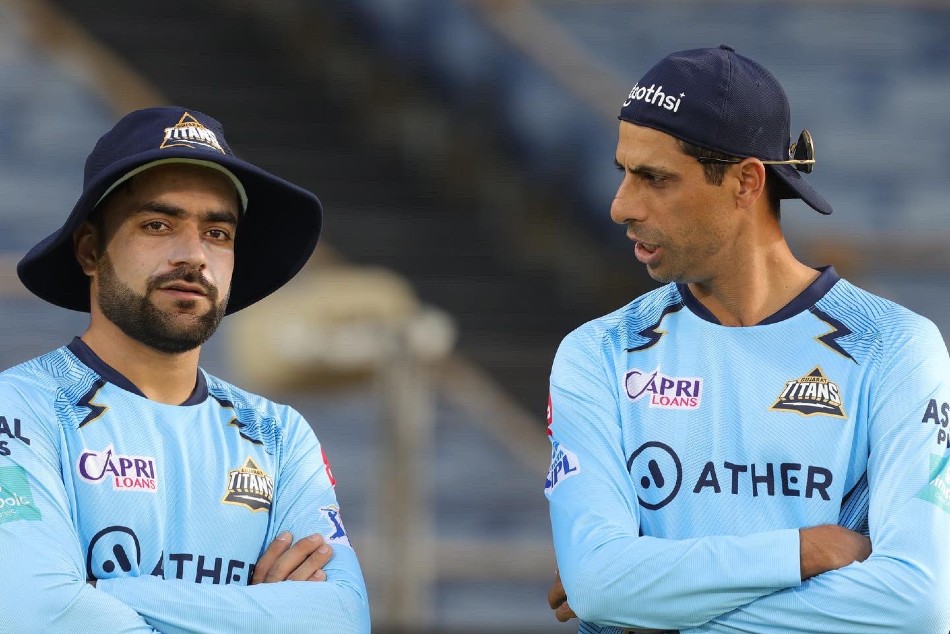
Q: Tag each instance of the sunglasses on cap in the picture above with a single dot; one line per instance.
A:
(801, 154)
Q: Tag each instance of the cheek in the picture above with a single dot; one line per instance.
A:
(222, 269)
(132, 271)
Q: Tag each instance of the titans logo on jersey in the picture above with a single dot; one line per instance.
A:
(811, 394)
(250, 486)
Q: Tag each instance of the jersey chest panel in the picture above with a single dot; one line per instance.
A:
(170, 491)
(741, 429)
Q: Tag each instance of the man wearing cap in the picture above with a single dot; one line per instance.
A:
(757, 445)
(137, 492)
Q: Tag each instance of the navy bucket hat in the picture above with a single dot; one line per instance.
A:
(277, 232)
(723, 101)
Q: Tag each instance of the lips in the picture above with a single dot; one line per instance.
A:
(647, 253)
(185, 287)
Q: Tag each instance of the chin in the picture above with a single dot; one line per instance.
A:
(661, 276)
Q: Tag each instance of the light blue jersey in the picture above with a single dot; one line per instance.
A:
(686, 455)
(167, 507)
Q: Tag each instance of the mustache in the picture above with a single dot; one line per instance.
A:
(189, 274)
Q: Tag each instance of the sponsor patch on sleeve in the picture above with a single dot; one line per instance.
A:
(564, 465)
(337, 535)
(326, 463)
(11, 435)
(938, 413)
(550, 416)
(937, 491)
(16, 497)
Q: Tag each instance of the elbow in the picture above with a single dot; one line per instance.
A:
(916, 607)
(359, 618)
(31, 612)
(925, 614)
(587, 594)
(607, 595)
(351, 608)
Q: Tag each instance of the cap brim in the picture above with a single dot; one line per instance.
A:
(275, 238)
(795, 186)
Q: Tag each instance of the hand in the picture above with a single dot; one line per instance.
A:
(557, 599)
(304, 561)
(829, 547)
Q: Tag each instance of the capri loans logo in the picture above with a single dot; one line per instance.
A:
(16, 498)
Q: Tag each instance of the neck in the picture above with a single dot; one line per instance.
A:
(754, 285)
(162, 377)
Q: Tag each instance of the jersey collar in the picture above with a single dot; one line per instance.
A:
(85, 354)
(802, 302)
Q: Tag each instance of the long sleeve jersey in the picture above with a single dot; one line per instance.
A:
(167, 507)
(686, 455)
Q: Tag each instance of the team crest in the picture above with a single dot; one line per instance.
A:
(250, 486)
(811, 394)
(189, 132)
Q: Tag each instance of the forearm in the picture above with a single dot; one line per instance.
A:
(830, 547)
(883, 595)
(673, 584)
(57, 602)
(179, 607)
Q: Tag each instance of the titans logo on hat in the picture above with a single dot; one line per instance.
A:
(189, 132)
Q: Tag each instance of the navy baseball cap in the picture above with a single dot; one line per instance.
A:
(723, 101)
(277, 232)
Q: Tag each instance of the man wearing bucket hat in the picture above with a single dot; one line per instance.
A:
(137, 492)
(757, 445)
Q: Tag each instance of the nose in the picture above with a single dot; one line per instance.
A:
(188, 249)
(627, 204)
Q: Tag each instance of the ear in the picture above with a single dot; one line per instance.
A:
(86, 247)
(751, 175)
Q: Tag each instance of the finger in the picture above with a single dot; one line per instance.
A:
(318, 576)
(292, 558)
(556, 595)
(564, 613)
(312, 564)
(276, 548)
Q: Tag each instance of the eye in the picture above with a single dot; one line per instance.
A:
(155, 226)
(218, 234)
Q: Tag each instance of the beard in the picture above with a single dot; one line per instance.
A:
(140, 319)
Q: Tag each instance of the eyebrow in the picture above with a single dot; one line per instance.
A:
(212, 215)
(645, 169)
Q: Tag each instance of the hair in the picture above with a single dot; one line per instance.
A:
(96, 217)
(715, 173)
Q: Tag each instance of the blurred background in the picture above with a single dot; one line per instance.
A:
(463, 150)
